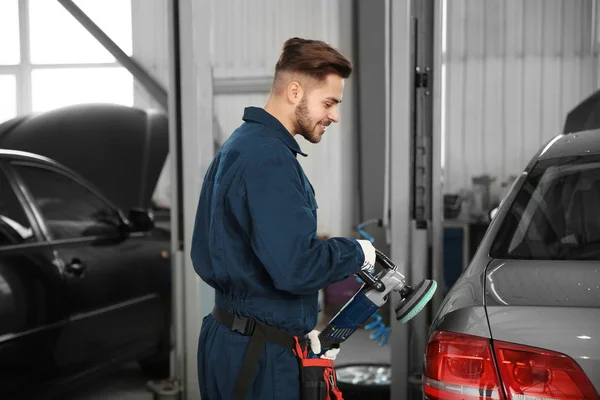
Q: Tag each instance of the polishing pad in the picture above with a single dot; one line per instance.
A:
(414, 302)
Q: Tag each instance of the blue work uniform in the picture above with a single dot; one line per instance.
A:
(255, 242)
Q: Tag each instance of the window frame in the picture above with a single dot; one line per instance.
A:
(499, 248)
(23, 70)
(40, 220)
(38, 234)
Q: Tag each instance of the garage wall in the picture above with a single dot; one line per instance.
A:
(513, 70)
(150, 49)
(150, 45)
(247, 40)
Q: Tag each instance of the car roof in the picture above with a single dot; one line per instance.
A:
(18, 155)
(27, 156)
(572, 144)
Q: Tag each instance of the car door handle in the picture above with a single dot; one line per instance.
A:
(76, 267)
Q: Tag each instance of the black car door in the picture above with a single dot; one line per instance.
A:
(112, 276)
(32, 303)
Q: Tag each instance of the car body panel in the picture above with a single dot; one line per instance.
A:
(32, 295)
(118, 289)
(572, 144)
(462, 310)
(566, 330)
(32, 316)
(547, 304)
(56, 324)
(467, 293)
(552, 305)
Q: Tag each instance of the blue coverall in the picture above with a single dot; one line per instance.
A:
(255, 243)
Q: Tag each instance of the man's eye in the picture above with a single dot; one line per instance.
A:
(327, 105)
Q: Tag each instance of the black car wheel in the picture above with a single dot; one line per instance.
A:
(364, 381)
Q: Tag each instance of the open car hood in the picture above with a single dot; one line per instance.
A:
(585, 116)
(119, 149)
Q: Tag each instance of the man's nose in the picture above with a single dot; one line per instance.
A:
(334, 116)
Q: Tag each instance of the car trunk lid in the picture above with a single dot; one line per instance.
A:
(553, 305)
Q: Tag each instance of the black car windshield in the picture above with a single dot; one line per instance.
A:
(556, 214)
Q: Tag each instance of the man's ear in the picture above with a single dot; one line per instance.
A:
(295, 92)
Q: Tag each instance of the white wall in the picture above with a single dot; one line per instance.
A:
(150, 45)
(514, 69)
(151, 49)
(246, 41)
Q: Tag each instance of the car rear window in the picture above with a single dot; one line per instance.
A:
(556, 213)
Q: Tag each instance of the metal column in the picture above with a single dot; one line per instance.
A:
(400, 179)
(191, 125)
(415, 187)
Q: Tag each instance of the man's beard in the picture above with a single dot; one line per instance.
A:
(304, 125)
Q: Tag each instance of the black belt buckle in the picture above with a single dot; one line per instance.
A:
(245, 326)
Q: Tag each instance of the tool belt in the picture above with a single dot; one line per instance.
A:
(317, 376)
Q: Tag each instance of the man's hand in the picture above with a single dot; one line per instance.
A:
(369, 250)
(315, 346)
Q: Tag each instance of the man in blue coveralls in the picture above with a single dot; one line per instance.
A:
(255, 237)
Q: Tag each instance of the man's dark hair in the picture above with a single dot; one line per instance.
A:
(313, 58)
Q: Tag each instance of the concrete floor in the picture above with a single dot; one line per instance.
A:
(128, 383)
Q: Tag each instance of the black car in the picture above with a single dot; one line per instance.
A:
(84, 283)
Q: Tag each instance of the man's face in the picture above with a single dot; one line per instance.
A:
(319, 108)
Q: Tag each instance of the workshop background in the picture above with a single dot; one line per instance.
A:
(509, 72)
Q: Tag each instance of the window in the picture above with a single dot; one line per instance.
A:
(555, 216)
(10, 53)
(69, 209)
(58, 38)
(8, 97)
(85, 86)
(49, 60)
(14, 224)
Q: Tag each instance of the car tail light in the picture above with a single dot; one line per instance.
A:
(535, 374)
(462, 367)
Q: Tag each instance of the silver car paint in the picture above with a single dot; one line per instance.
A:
(467, 294)
(580, 143)
(551, 305)
(463, 308)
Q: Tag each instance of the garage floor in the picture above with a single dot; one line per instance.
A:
(128, 383)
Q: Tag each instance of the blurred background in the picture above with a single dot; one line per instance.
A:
(120, 105)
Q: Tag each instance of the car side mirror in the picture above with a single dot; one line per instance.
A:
(141, 219)
(493, 213)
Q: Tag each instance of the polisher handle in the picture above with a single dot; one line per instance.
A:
(371, 281)
(384, 261)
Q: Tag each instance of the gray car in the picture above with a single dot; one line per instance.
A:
(523, 320)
